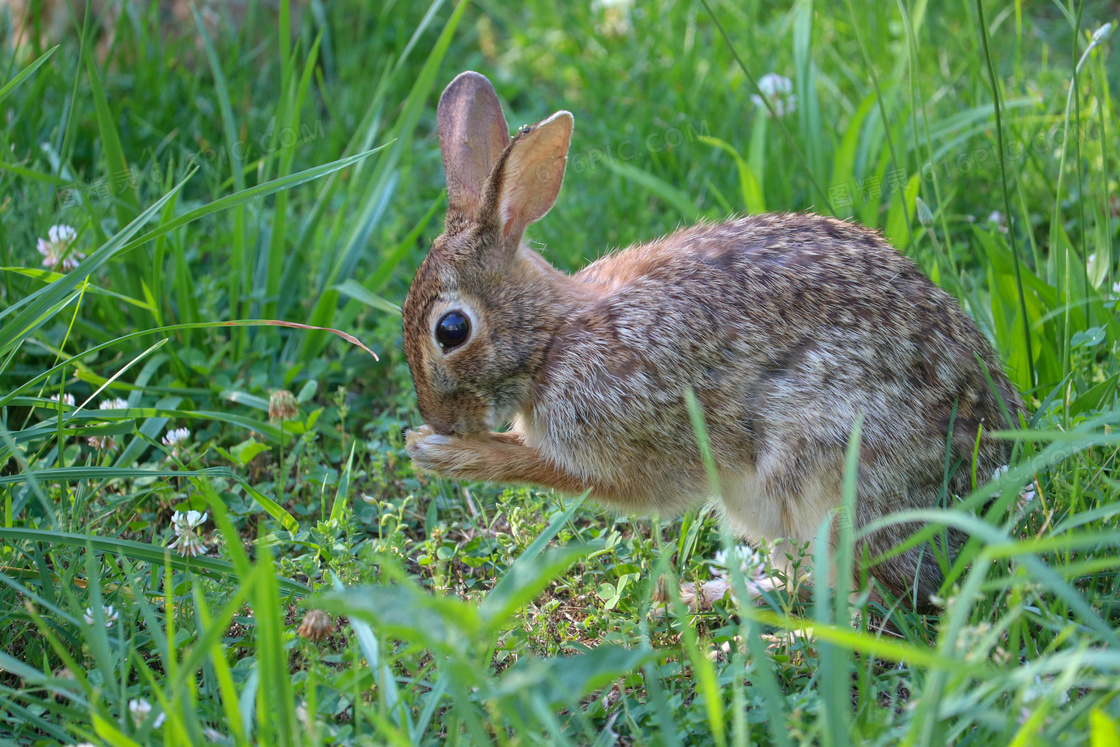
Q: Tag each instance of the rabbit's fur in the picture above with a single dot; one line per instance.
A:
(787, 328)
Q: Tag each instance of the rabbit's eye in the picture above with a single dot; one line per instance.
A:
(453, 329)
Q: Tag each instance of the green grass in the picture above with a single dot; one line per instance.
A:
(242, 176)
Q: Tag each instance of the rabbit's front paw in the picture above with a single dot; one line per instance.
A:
(430, 451)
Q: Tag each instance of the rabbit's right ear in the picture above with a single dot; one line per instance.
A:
(472, 134)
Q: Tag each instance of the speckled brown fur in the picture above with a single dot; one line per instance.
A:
(787, 327)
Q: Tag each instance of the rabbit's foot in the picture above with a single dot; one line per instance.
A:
(432, 452)
(496, 457)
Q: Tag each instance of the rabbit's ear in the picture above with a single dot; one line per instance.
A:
(472, 134)
(531, 174)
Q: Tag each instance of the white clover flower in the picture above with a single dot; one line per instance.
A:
(282, 406)
(175, 436)
(751, 563)
(1026, 497)
(187, 541)
(110, 615)
(140, 708)
(772, 83)
(189, 545)
(997, 220)
(67, 399)
(778, 90)
(102, 442)
(59, 239)
(998, 473)
(316, 626)
(113, 404)
(190, 520)
(61, 234)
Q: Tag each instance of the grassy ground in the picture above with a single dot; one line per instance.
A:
(247, 175)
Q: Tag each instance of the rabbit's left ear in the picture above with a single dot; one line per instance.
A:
(530, 175)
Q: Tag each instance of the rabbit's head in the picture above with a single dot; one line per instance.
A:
(481, 311)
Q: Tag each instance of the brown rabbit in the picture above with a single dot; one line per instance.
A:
(787, 328)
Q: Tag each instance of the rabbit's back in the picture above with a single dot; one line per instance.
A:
(787, 328)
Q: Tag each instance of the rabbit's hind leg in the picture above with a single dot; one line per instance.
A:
(785, 507)
(780, 498)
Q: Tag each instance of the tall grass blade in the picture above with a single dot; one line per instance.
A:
(26, 73)
(994, 83)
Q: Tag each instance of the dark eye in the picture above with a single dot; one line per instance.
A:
(453, 329)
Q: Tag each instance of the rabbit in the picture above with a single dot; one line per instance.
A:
(787, 328)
